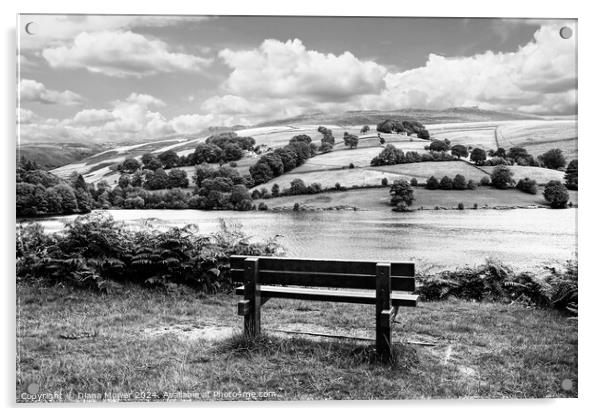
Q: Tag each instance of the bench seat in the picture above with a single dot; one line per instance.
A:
(344, 296)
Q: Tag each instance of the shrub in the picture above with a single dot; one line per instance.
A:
(401, 191)
(432, 183)
(384, 182)
(414, 182)
(556, 194)
(485, 181)
(459, 182)
(527, 185)
(501, 177)
(472, 185)
(446, 183)
(262, 206)
(494, 281)
(94, 250)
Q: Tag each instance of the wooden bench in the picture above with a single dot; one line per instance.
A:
(385, 285)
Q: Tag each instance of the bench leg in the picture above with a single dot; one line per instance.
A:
(383, 310)
(252, 325)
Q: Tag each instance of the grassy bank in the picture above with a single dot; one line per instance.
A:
(376, 199)
(151, 341)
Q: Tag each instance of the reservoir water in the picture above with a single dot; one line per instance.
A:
(522, 238)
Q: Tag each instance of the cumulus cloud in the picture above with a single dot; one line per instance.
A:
(134, 117)
(282, 69)
(31, 91)
(282, 79)
(121, 54)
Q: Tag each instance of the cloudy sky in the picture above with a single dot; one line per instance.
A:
(133, 77)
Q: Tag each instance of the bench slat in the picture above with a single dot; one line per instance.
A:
(323, 266)
(302, 278)
(344, 296)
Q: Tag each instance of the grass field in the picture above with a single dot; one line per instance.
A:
(378, 199)
(140, 340)
(537, 136)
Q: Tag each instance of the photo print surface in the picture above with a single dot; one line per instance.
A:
(295, 208)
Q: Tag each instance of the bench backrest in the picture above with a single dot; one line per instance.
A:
(323, 273)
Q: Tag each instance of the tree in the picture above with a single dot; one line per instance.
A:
(459, 150)
(68, 199)
(209, 153)
(147, 157)
(303, 138)
(517, 153)
(261, 173)
(446, 183)
(423, 134)
(157, 179)
(472, 185)
(390, 155)
(478, 156)
(432, 183)
(288, 158)
(301, 150)
(553, 159)
(133, 203)
(384, 182)
(130, 165)
(459, 182)
(350, 140)
(325, 147)
(485, 181)
(275, 190)
(153, 164)
(275, 163)
(501, 177)
(178, 178)
(124, 180)
(556, 194)
(232, 152)
(401, 192)
(297, 187)
(527, 185)
(365, 129)
(438, 146)
(571, 175)
(239, 198)
(390, 126)
(169, 159)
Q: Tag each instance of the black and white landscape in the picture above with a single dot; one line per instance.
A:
(151, 149)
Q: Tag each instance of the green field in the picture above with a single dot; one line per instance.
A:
(537, 136)
(378, 199)
(141, 340)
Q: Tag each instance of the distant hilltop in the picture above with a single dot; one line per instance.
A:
(448, 115)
